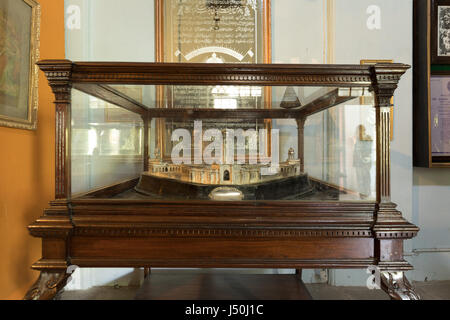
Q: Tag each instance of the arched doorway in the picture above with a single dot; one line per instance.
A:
(226, 175)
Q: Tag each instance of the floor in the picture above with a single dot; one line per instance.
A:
(432, 290)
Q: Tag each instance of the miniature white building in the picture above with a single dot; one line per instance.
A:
(224, 174)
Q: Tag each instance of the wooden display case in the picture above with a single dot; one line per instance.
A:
(103, 228)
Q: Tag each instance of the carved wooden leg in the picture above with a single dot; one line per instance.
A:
(397, 286)
(47, 285)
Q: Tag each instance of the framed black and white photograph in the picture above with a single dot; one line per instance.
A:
(440, 31)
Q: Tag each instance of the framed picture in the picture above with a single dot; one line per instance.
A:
(440, 31)
(19, 52)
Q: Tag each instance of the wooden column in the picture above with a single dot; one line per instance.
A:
(384, 86)
(390, 228)
(385, 78)
(146, 150)
(55, 226)
(383, 173)
(301, 142)
(58, 73)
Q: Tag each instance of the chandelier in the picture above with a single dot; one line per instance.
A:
(216, 5)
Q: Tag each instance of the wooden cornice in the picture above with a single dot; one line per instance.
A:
(221, 74)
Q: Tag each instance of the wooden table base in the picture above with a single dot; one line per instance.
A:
(223, 287)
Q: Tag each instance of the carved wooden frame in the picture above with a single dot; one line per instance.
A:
(94, 231)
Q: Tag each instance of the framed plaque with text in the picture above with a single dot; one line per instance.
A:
(212, 31)
(440, 117)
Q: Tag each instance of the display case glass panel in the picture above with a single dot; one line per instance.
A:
(226, 142)
(106, 142)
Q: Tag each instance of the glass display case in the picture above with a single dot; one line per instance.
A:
(198, 165)
(206, 139)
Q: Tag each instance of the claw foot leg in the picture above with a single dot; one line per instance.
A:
(47, 285)
(397, 286)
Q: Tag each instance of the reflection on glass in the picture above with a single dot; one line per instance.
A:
(222, 97)
(340, 149)
(107, 143)
(318, 145)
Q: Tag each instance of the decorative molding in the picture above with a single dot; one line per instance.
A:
(390, 224)
(223, 263)
(394, 266)
(50, 265)
(58, 72)
(214, 74)
(59, 207)
(216, 232)
(385, 78)
(222, 79)
(51, 227)
(395, 234)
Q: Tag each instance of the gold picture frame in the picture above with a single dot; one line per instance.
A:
(363, 101)
(19, 52)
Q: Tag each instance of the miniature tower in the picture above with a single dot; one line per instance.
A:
(291, 154)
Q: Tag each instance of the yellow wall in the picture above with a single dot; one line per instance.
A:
(27, 170)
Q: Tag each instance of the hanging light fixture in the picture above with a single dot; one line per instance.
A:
(216, 5)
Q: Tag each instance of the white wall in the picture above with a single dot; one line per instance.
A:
(431, 212)
(110, 30)
(354, 41)
(118, 30)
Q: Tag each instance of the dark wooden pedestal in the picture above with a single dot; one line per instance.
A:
(223, 287)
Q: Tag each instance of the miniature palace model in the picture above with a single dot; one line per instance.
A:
(123, 200)
(199, 181)
(235, 174)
